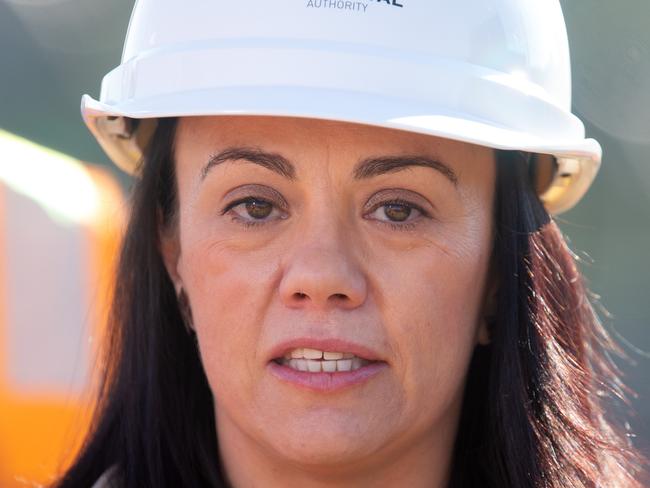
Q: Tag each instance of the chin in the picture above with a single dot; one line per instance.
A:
(327, 454)
(328, 442)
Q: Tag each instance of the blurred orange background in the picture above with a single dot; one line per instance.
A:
(60, 224)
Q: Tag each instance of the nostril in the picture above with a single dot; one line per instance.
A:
(340, 295)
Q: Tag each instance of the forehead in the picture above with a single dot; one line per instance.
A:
(292, 132)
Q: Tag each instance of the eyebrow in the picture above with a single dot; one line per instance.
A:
(364, 169)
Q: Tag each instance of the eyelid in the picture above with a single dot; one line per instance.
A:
(408, 197)
(399, 201)
(258, 191)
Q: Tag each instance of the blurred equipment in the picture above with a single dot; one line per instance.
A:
(60, 224)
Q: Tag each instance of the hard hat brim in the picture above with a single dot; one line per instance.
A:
(578, 157)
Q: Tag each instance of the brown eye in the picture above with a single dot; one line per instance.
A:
(253, 211)
(397, 212)
(258, 209)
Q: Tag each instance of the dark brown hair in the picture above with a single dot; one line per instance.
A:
(534, 408)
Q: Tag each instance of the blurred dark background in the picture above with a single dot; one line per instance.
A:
(53, 51)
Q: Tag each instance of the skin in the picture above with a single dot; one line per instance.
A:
(326, 265)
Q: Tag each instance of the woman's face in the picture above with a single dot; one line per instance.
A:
(301, 233)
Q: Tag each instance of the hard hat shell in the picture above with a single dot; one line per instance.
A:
(490, 72)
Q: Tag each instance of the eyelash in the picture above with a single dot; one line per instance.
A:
(393, 225)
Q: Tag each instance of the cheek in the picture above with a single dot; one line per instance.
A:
(434, 308)
(229, 293)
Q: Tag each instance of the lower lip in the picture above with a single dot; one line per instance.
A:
(326, 382)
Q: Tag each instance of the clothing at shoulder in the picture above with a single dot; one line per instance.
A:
(108, 479)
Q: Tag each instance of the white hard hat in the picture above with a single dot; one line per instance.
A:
(490, 72)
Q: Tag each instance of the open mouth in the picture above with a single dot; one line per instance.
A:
(325, 371)
(316, 361)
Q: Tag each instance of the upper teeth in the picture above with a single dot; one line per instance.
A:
(314, 361)
(307, 353)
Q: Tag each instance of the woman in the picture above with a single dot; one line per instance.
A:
(325, 284)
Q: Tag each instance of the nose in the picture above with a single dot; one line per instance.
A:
(321, 271)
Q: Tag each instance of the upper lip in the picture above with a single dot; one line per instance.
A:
(325, 344)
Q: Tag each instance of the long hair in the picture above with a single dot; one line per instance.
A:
(533, 414)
